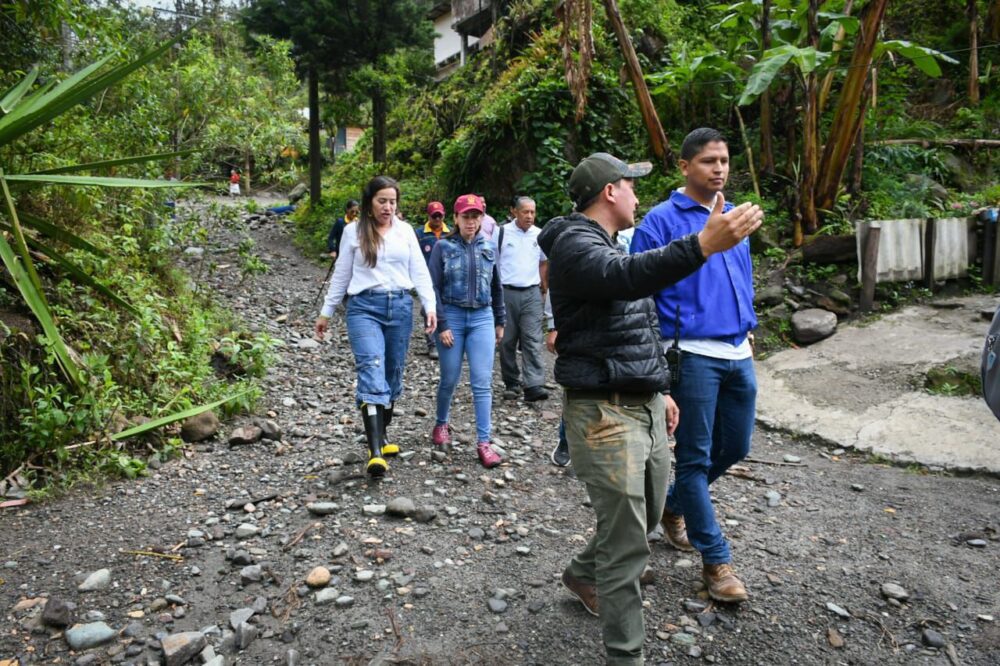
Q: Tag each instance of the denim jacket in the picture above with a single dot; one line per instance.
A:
(467, 275)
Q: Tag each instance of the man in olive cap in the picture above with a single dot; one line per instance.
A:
(616, 380)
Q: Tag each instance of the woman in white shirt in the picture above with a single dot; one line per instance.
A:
(379, 263)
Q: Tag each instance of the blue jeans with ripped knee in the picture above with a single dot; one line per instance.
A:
(379, 323)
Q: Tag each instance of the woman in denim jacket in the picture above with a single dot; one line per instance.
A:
(471, 316)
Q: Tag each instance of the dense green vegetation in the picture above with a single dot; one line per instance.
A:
(98, 331)
(506, 122)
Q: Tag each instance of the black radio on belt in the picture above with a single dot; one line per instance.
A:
(674, 352)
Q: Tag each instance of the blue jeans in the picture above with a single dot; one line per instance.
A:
(379, 324)
(475, 337)
(717, 398)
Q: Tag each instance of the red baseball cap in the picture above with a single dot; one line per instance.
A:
(469, 202)
(435, 207)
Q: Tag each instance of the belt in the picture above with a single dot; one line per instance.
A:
(510, 286)
(623, 398)
(378, 291)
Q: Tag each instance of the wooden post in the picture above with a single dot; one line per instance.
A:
(989, 243)
(994, 250)
(930, 243)
(656, 134)
(869, 266)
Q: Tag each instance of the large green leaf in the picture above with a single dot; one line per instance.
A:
(35, 299)
(60, 234)
(25, 116)
(104, 164)
(764, 72)
(99, 181)
(924, 58)
(15, 94)
(74, 90)
(177, 416)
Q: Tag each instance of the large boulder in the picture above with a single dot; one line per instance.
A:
(200, 426)
(812, 325)
(298, 192)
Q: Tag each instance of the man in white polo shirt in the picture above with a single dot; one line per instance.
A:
(524, 273)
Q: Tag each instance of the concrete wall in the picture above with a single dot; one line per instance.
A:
(447, 43)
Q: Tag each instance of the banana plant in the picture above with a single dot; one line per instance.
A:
(23, 109)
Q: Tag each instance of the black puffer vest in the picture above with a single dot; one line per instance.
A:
(608, 334)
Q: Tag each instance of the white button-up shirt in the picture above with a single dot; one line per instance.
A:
(400, 265)
(520, 256)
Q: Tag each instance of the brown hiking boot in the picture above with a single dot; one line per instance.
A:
(585, 593)
(722, 583)
(674, 531)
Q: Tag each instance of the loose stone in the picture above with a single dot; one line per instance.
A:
(318, 577)
(85, 636)
(96, 581)
(180, 648)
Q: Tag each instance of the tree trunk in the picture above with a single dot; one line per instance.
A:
(247, 172)
(766, 141)
(810, 139)
(849, 115)
(993, 21)
(838, 44)
(656, 134)
(315, 158)
(378, 126)
(791, 136)
(973, 13)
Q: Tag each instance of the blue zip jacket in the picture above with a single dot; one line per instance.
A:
(466, 275)
(717, 300)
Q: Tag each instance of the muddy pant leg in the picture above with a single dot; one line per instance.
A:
(620, 453)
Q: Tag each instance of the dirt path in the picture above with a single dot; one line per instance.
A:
(472, 576)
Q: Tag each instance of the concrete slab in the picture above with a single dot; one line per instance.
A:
(862, 388)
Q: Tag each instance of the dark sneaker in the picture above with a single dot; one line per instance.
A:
(535, 393)
(722, 583)
(511, 392)
(433, 353)
(585, 593)
(560, 454)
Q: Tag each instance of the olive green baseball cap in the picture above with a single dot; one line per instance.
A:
(594, 172)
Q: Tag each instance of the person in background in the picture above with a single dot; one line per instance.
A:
(428, 236)
(471, 316)
(614, 376)
(234, 183)
(710, 315)
(351, 210)
(524, 271)
(379, 263)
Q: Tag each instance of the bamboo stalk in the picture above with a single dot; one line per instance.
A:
(746, 142)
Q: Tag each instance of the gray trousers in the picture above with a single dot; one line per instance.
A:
(524, 323)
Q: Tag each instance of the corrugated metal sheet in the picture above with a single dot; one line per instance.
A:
(901, 248)
(951, 247)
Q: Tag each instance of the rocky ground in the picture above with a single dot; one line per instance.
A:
(280, 551)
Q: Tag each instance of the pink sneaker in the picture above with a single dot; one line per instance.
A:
(487, 455)
(441, 435)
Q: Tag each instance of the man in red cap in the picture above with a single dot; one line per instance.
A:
(431, 233)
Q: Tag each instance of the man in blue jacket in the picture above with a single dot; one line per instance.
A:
(708, 315)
